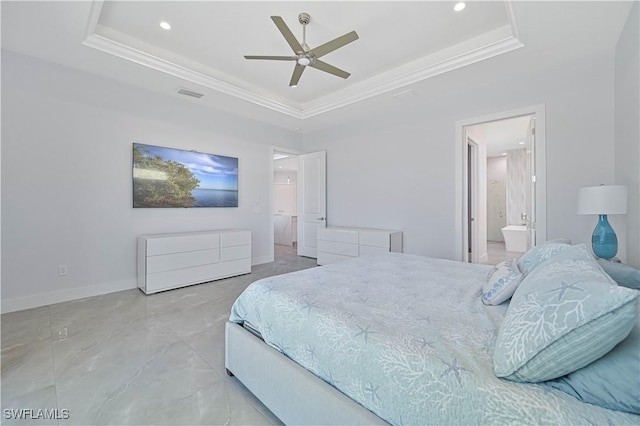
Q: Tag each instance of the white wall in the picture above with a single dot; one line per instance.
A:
(518, 177)
(67, 186)
(627, 131)
(397, 170)
(496, 197)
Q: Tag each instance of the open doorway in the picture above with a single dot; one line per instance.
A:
(298, 202)
(501, 184)
(285, 196)
(500, 159)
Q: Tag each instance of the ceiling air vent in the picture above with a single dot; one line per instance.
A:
(405, 95)
(187, 92)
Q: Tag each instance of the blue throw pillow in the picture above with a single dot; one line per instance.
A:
(624, 275)
(538, 254)
(501, 282)
(564, 315)
(611, 382)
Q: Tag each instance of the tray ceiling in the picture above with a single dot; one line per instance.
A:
(401, 46)
(400, 43)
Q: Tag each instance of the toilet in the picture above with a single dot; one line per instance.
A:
(515, 238)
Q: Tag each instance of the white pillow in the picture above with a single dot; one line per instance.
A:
(502, 282)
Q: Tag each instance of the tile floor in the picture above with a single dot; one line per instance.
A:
(129, 359)
(496, 253)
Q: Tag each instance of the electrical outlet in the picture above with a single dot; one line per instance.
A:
(63, 270)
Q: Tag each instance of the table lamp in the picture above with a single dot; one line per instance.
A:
(603, 200)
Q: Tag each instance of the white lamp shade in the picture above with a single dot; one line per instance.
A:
(604, 199)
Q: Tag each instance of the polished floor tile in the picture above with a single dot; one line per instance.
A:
(129, 359)
(496, 253)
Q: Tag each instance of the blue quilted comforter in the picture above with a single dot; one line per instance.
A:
(406, 337)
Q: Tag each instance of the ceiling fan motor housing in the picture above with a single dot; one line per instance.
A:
(304, 18)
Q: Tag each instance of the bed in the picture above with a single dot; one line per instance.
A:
(393, 338)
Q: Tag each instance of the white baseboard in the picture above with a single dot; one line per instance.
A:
(66, 295)
(49, 298)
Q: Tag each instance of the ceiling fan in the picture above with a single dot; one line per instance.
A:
(304, 56)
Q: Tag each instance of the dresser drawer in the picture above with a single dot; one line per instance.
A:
(234, 253)
(375, 239)
(339, 235)
(182, 243)
(240, 238)
(168, 262)
(345, 249)
(181, 277)
(369, 250)
(234, 267)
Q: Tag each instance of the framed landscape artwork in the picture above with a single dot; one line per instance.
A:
(167, 177)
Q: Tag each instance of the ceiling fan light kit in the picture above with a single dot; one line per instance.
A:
(305, 56)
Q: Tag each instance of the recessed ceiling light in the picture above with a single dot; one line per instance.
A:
(459, 6)
(504, 153)
(521, 143)
(165, 25)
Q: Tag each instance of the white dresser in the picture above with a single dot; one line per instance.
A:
(336, 244)
(167, 261)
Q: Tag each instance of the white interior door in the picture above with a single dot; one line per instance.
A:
(312, 201)
(476, 202)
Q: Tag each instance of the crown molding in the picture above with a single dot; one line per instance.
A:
(444, 61)
(485, 46)
(123, 51)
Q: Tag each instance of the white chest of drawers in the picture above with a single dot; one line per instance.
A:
(168, 261)
(336, 244)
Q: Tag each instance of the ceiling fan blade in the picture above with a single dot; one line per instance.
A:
(297, 72)
(323, 66)
(288, 35)
(334, 44)
(271, 58)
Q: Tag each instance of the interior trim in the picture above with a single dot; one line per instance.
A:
(485, 46)
(460, 148)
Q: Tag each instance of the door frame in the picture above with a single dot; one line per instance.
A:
(272, 150)
(473, 205)
(461, 207)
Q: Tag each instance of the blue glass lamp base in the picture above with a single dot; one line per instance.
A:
(604, 240)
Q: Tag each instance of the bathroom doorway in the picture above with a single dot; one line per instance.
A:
(503, 202)
(285, 195)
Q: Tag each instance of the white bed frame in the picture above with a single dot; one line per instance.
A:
(293, 394)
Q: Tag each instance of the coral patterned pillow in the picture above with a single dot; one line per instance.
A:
(502, 282)
(564, 315)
